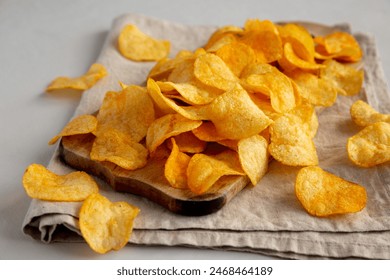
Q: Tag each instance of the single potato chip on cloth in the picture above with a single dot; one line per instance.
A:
(138, 46)
(323, 194)
(41, 183)
(371, 145)
(363, 114)
(95, 73)
(106, 225)
(82, 124)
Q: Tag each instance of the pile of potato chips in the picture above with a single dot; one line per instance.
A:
(225, 109)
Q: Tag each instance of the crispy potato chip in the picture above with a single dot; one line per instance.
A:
(347, 79)
(223, 41)
(106, 225)
(203, 170)
(136, 45)
(291, 60)
(116, 147)
(253, 155)
(41, 183)
(88, 80)
(168, 126)
(222, 32)
(363, 114)
(235, 116)
(187, 142)
(323, 194)
(129, 111)
(175, 169)
(82, 124)
(207, 132)
(370, 146)
(316, 91)
(163, 68)
(211, 70)
(291, 142)
(307, 114)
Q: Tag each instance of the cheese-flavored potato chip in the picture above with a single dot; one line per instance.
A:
(363, 114)
(116, 147)
(88, 80)
(166, 127)
(291, 142)
(347, 79)
(106, 225)
(41, 183)
(204, 170)
(253, 155)
(138, 46)
(175, 170)
(82, 124)
(323, 194)
(370, 146)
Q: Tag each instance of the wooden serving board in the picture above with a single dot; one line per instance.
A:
(149, 181)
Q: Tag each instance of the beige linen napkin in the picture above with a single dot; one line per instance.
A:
(266, 219)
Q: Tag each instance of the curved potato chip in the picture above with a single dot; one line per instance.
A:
(290, 60)
(207, 132)
(223, 41)
(88, 80)
(116, 147)
(235, 116)
(188, 143)
(211, 70)
(82, 124)
(291, 142)
(363, 114)
(168, 126)
(347, 79)
(323, 194)
(175, 169)
(41, 183)
(253, 155)
(307, 114)
(221, 33)
(203, 170)
(106, 225)
(129, 111)
(370, 146)
(136, 45)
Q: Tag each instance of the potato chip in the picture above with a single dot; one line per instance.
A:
(316, 91)
(116, 147)
(203, 170)
(370, 146)
(165, 66)
(187, 142)
(175, 169)
(41, 183)
(130, 111)
(323, 194)
(168, 126)
(82, 124)
(291, 142)
(290, 60)
(222, 32)
(235, 116)
(106, 225)
(363, 114)
(207, 132)
(347, 79)
(253, 155)
(307, 114)
(223, 41)
(88, 80)
(138, 46)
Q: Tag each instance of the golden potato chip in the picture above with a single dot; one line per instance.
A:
(116, 147)
(290, 60)
(347, 79)
(211, 70)
(130, 111)
(163, 68)
(363, 114)
(323, 194)
(291, 142)
(370, 146)
(168, 126)
(88, 80)
(253, 155)
(223, 41)
(41, 183)
(307, 114)
(187, 142)
(82, 124)
(222, 32)
(203, 170)
(235, 116)
(207, 132)
(175, 169)
(138, 46)
(317, 91)
(106, 225)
